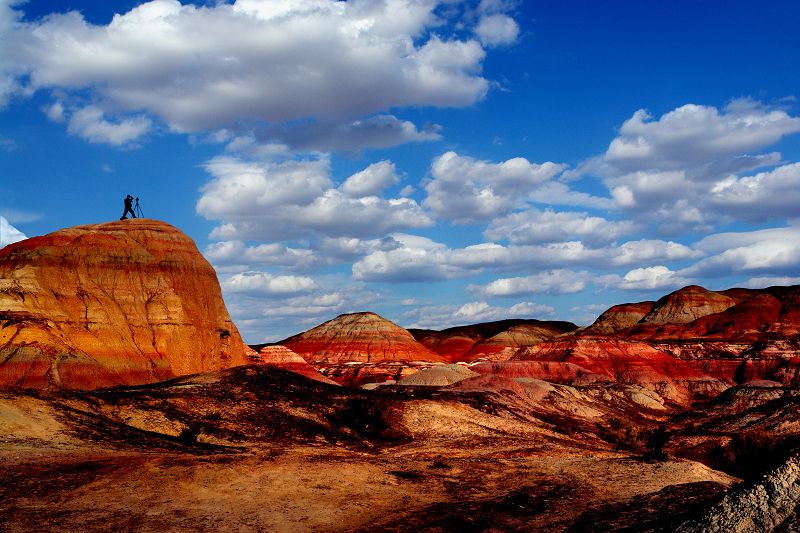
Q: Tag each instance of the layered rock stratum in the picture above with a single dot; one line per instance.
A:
(490, 340)
(282, 357)
(359, 337)
(118, 303)
(691, 343)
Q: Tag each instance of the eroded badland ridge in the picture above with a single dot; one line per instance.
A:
(683, 412)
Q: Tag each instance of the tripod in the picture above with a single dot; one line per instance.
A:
(137, 209)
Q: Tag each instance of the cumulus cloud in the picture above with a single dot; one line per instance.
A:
(760, 197)
(649, 250)
(422, 259)
(236, 252)
(534, 226)
(651, 278)
(380, 131)
(295, 199)
(202, 68)
(768, 251)
(683, 169)
(497, 30)
(697, 134)
(90, 124)
(466, 190)
(8, 233)
(266, 284)
(558, 281)
(770, 281)
(371, 181)
(414, 259)
(446, 316)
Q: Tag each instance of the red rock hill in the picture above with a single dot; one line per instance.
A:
(691, 342)
(358, 337)
(283, 357)
(490, 340)
(120, 303)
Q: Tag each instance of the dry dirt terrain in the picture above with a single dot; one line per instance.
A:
(257, 448)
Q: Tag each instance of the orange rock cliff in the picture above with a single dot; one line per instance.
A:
(119, 303)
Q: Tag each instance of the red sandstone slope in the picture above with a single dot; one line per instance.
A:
(490, 338)
(688, 304)
(120, 303)
(359, 337)
(283, 357)
(691, 342)
(619, 317)
(504, 345)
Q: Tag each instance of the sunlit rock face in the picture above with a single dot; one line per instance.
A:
(359, 337)
(283, 357)
(691, 343)
(619, 317)
(119, 303)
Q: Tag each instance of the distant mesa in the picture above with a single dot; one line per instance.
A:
(119, 303)
(359, 337)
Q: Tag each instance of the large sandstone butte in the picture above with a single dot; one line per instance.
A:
(120, 303)
(359, 337)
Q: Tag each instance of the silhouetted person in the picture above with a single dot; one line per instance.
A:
(128, 208)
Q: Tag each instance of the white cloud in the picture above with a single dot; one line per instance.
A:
(649, 250)
(682, 170)
(422, 259)
(237, 253)
(371, 181)
(557, 281)
(416, 258)
(201, 68)
(89, 123)
(56, 112)
(651, 278)
(465, 190)
(293, 199)
(768, 251)
(9, 234)
(765, 195)
(497, 30)
(266, 284)
(697, 134)
(533, 226)
(380, 131)
(770, 281)
(445, 316)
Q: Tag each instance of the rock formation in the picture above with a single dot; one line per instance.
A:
(503, 346)
(691, 342)
(686, 305)
(126, 302)
(766, 505)
(283, 357)
(359, 337)
(490, 340)
(619, 317)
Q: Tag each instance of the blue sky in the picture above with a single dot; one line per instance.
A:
(440, 163)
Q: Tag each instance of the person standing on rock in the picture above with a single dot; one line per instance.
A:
(128, 208)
